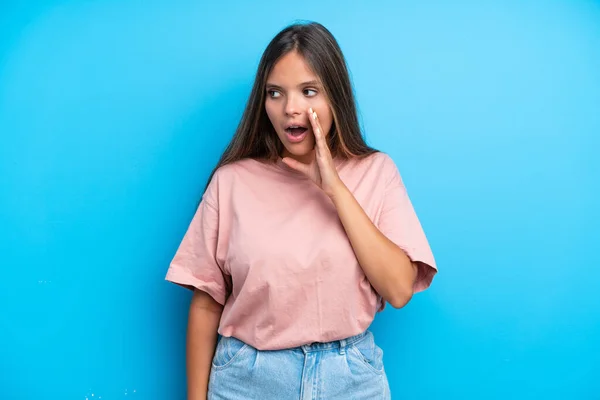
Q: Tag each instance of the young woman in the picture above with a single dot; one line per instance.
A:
(303, 234)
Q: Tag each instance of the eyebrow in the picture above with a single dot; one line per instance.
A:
(308, 83)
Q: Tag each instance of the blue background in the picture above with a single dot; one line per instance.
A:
(112, 114)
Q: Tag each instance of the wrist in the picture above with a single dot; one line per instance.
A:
(339, 192)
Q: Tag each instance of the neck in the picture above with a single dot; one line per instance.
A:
(305, 159)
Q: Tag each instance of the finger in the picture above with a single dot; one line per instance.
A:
(314, 122)
(297, 165)
(318, 131)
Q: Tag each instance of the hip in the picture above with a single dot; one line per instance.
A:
(342, 369)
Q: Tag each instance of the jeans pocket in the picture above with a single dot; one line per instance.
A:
(228, 350)
(368, 354)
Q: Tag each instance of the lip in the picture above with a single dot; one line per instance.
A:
(296, 139)
(297, 124)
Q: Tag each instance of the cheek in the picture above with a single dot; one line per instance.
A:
(326, 118)
(321, 105)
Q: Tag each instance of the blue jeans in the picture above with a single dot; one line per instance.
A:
(344, 369)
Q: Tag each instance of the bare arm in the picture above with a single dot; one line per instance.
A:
(203, 321)
(387, 267)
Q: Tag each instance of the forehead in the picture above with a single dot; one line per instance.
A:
(290, 70)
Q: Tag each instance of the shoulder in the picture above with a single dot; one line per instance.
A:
(383, 160)
(378, 170)
(245, 171)
(246, 166)
(379, 163)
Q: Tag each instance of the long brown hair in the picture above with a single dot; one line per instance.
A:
(255, 136)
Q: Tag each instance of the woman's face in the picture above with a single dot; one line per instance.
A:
(292, 88)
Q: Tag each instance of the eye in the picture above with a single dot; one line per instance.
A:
(310, 92)
(273, 93)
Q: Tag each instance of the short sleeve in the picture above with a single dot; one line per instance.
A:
(195, 263)
(399, 223)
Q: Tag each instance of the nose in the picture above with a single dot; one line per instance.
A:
(294, 105)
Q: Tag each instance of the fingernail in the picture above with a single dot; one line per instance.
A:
(310, 109)
(314, 115)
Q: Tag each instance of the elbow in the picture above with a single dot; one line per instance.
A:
(401, 293)
(400, 297)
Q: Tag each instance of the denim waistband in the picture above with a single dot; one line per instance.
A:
(335, 344)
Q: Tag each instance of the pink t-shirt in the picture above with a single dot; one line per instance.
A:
(268, 244)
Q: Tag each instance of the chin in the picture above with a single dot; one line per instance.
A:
(299, 150)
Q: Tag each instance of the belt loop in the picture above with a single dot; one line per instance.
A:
(343, 346)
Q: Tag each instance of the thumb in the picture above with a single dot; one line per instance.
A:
(297, 165)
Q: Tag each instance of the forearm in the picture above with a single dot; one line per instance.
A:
(203, 321)
(388, 268)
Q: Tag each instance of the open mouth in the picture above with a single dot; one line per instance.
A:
(296, 130)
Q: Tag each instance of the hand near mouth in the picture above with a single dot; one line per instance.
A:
(321, 170)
